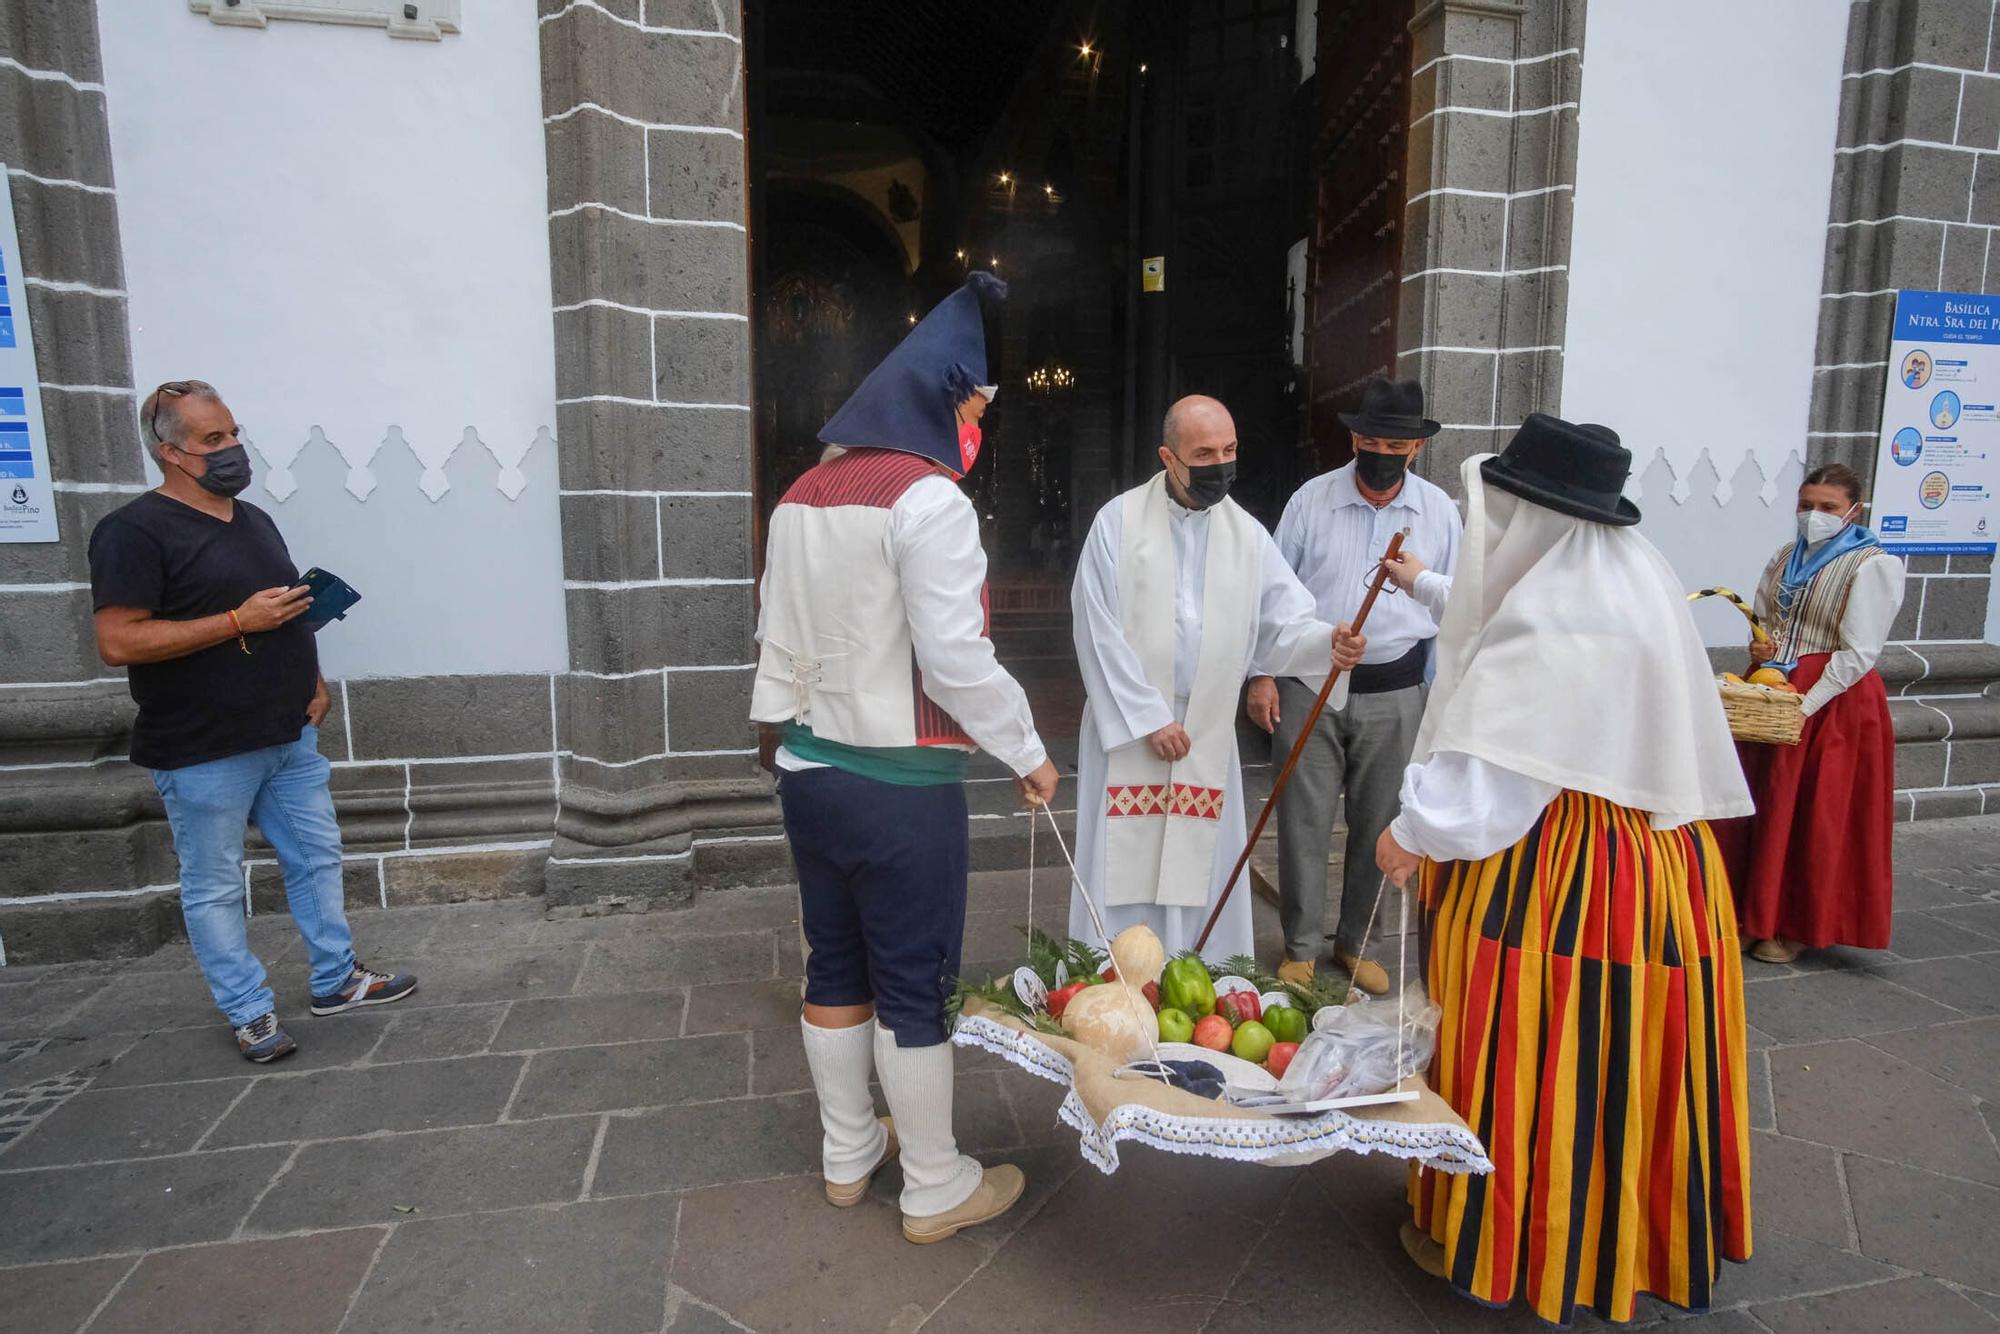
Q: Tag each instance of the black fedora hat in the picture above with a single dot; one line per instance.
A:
(1391, 410)
(1571, 469)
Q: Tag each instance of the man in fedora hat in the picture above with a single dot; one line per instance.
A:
(1582, 940)
(1333, 535)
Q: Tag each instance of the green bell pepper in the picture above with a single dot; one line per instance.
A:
(1187, 987)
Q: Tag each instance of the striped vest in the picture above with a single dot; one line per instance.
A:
(836, 653)
(1813, 623)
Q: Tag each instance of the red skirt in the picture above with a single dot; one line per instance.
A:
(1813, 864)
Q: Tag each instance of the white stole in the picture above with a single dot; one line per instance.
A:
(1162, 818)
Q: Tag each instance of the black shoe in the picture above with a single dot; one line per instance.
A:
(365, 988)
(262, 1041)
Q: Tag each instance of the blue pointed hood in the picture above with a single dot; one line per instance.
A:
(910, 401)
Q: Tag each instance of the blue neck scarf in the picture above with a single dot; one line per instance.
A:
(1804, 563)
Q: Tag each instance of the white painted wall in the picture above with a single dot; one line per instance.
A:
(1706, 137)
(348, 232)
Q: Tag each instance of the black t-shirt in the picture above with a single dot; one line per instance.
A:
(180, 564)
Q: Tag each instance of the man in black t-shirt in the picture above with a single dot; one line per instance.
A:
(197, 597)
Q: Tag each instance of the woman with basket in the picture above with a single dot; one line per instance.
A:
(1811, 867)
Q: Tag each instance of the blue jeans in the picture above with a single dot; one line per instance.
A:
(282, 788)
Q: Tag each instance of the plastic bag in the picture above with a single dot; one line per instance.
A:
(1354, 1054)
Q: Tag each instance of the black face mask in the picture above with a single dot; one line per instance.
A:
(1380, 472)
(228, 471)
(1208, 484)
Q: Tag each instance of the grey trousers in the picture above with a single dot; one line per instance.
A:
(1361, 752)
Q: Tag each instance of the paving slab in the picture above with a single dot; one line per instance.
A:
(775, 1256)
(1894, 1307)
(1920, 890)
(1795, 1188)
(438, 1032)
(1818, 1006)
(733, 1007)
(41, 1298)
(1856, 1097)
(31, 1009)
(494, 975)
(146, 1002)
(694, 1317)
(94, 1126)
(1757, 1070)
(1922, 935)
(494, 924)
(571, 1021)
(329, 1104)
(1966, 1054)
(598, 1266)
(184, 1055)
(658, 961)
(1969, 985)
(1983, 917)
(299, 1284)
(710, 1144)
(438, 1172)
(633, 1075)
(63, 1213)
(778, 1061)
(1927, 1223)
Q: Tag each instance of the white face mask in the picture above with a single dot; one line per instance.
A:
(1816, 526)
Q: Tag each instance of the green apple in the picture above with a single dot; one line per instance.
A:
(1175, 1026)
(1252, 1041)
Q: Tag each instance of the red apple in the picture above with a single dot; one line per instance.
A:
(1152, 993)
(1280, 1057)
(1213, 1032)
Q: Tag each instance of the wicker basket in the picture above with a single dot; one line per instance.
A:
(1763, 713)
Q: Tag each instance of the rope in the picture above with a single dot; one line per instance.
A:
(1402, 958)
(1149, 1022)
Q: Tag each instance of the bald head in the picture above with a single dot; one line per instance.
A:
(1199, 423)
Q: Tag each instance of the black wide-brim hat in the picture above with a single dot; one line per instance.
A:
(1391, 410)
(1579, 470)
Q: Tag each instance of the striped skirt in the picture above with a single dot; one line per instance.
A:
(1593, 1037)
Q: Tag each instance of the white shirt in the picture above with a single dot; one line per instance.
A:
(934, 541)
(1333, 537)
(1872, 603)
(1457, 807)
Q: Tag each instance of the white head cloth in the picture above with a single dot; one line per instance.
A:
(1567, 653)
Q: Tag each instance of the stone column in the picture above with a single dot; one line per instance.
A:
(1492, 171)
(74, 817)
(644, 110)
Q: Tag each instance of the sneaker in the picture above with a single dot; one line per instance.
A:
(262, 1041)
(999, 1187)
(365, 988)
(847, 1194)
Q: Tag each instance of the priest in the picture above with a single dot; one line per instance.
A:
(1178, 591)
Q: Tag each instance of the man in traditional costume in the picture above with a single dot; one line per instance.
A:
(875, 662)
(1178, 591)
(1333, 534)
(1582, 940)
(1812, 866)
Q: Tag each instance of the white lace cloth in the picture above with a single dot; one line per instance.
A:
(1289, 1141)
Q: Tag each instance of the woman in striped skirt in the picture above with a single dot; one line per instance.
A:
(1580, 934)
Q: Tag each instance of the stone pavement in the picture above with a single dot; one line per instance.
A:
(605, 1124)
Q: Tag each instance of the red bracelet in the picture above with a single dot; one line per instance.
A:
(241, 642)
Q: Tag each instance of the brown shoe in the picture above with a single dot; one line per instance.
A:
(847, 1194)
(1775, 951)
(1423, 1250)
(1370, 976)
(998, 1188)
(1298, 972)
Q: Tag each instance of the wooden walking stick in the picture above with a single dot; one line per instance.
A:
(1299, 746)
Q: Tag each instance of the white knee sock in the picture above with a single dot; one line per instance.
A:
(841, 1060)
(917, 1081)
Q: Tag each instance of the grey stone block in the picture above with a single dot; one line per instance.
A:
(1468, 32)
(59, 1213)
(1920, 764)
(1931, 182)
(1905, 627)
(61, 38)
(1545, 150)
(1539, 229)
(58, 861)
(630, 447)
(80, 337)
(1855, 329)
(615, 720)
(438, 1172)
(51, 129)
(623, 777)
(1473, 152)
(637, 875)
(636, 263)
(607, 538)
(1529, 382)
(459, 877)
(463, 977)
(596, 158)
(1975, 761)
(1455, 231)
(659, 78)
(1964, 564)
(68, 235)
(1948, 32)
(603, 350)
(1533, 317)
(661, 959)
(632, 10)
(630, 1075)
(618, 630)
(1458, 386)
(228, 1286)
(92, 437)
(1908, 104)
(420, 1095)
(1964, 259)
(701, 361)
(100, 929)
(1954, 607)
(361, 885)
(57, 1296)
(1847, 398)
(423, 717)
(697, 15)
(1902, 252)
(710, 1144)
(1466, 83)
(535, 1025)
(595, 1266)
(439, 1032)
(1547, 82)
(710, 711)
(1986, 191)
(1949, 804)
(706, 537)
(1454, 309)
(1926, 564)
(695, 177)
(123, 1123)
(1979, 114)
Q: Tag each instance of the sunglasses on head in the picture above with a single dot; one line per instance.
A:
(174, 389)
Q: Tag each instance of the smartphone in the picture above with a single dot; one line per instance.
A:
(331, 597)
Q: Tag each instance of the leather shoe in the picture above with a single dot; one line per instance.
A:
(1370, 976)
(847, 1194)
(1299, 972)
(998, 1189)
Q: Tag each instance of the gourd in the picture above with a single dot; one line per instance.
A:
(1111, 1019)
(1138, 955)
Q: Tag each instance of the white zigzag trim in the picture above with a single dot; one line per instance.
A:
(1277, 1140)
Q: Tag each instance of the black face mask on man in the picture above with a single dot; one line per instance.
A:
(228, 471)
(1380, 472)
(1208, 483)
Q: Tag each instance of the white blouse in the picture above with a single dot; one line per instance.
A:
(1872, 604)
